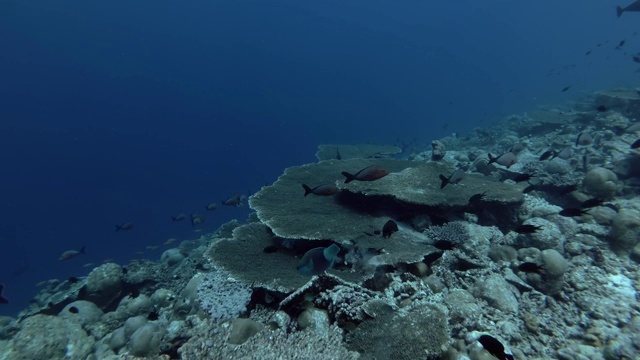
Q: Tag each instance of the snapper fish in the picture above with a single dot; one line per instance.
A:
(634, 6)
(320, 190)
(70, 254)
(318, 260)
(370, 173)
(211, 207)
(196, 219)
(455, 178)
(179, 217)
(507, 159)
(233, 201)
(124, 227)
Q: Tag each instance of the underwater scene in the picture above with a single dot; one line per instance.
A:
(278, 179)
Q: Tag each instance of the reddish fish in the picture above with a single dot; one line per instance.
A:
(507, 159)
(370, 173)
(321, 190)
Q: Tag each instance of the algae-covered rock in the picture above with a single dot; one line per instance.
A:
(625, 230)
(44, 337)
(600, 182)
(104, 284)
(360, 151)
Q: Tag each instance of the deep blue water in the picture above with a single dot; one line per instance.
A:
(119, 111)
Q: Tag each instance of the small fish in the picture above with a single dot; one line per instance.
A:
(527, 229)
(87, 265)
(389, 228)
(633, 128)
(338, 156)
(124, 227)
(522, 177)
(196, 219)
(74, 310)
(584, 139)
(179, 217)
(530, 267)
(591, 203)
(636, 144)
(587, 53)
(507, 159)
(321, 190)
(547, 154)
(211, 206)
(476, 198)
(318, 260)
(370, 173)
(573, 212)
(565, 89)
(152, 247)
(444, 245)
(564, 154)
(453, 179)
(620, 44)
(494, 347)
(602, 108)
(233, 201)
(70, 254)
(153, 316)
(636, 58)
(169, 241)
(73, 279)
(3, 300)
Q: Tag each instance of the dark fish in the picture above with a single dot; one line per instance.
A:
(566, 88)
(338, 156)
(318, 260)
(572, 212)
(321, 190)
(74, 310)
(179, 217)
(584, 139)
(475, 198)
(134, 293)
(233, 201)
(621, 44)
(270, 249)
(527, 229)
(591, 203)
(636, 144)
(73, 279)
(602, 108)
(153, 316)
(444, 245)
(124, 227)
(455, 178)
(530, 267)
(196, 219)
(528, 189)
(389, 228)
(211, 207)
(636, 58)
(588, 52)
(3, 300)
(522, 177)
(547, 154)
(507, 159)
(494, 347)
(370, 173)
(70, 254)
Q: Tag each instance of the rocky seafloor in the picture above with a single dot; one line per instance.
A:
(236, 293)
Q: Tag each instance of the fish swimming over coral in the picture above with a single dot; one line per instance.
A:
(453, 179)
(573, 212)
(507, 159)
(196, 219)
(124, 227)
(70, 254)
(636, 144)
(634, 6)
(318, 260)
(530, 267)
(527, 229)
(494, 347)
(320, 190)
(211, 207)
(370, 173)
(235, 200)
(389, 228)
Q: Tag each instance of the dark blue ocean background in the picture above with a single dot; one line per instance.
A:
(116, 111)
